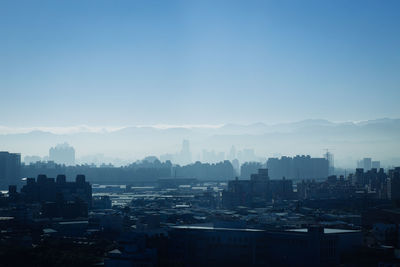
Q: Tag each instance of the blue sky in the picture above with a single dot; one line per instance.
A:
(118, 63)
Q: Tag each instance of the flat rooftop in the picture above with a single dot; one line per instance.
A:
(193, 227)
(326, 231)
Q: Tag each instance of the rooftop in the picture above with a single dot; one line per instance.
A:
(192, 227)
(326, 231)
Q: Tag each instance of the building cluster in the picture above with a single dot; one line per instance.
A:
(137, 171)
(184, 219)
(205, 171)
(188, 222)
(248, 168)
(257, 191)
(373, 183)
(62, 154)
(55, 197)
(183, 157)
(368, 164)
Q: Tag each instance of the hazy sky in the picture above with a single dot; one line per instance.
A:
(197, 62)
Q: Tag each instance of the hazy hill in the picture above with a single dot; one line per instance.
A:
(349, 141)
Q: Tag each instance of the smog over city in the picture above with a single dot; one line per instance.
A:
(193, 133)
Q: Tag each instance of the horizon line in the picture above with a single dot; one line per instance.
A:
(84, 128)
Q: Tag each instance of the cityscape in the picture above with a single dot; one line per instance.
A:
(159, 213)
(199, 133)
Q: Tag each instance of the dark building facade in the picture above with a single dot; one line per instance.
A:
(10, 169)
(394, 184)
(58, 197)
(298, 167)
(205, 171)
(248, 168)
(209, 246)
(256, 191)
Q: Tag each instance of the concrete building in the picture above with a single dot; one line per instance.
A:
(313, 246)
(59, 197)
(10, 169)
(298, 167)
(256, 191)
(376, 165)
(248, 168)
(394, 184)
(367, 164)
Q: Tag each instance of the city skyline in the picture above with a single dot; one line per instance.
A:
(199, 133)
(349, 142)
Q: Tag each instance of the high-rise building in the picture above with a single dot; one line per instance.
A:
(236, 166)
(62, 154)
(10, 169)
(367, 162)
(185, 156)
(329, 157)
(232, 153)
(298, 167)
(249, 168)
(376, 165)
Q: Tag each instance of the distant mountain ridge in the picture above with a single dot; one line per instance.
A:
(254, 127)
(349, 141)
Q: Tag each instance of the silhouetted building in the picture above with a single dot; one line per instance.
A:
(143, 171)
(331, 164)
(232, 153)
(313, 246)
(376, 165)
(63, 154)
(205, 171)
(248, 168)
(281, 189)
(367, 164)
(236, 166)
(394, 184)
(101, 202)
(10, 169)
(256, 191)
(299, 167)
(185, 156)
(59, 197)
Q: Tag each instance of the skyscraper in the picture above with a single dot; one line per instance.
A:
(185, 156)
(232, 153)
(376, 165)
(10, 169)
(331, 166)
(367, 162)
(298, 167)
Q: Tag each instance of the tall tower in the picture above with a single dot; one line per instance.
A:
(232, 153)
(367, 162)
(10, 169)
(331, 166)
(185, 155)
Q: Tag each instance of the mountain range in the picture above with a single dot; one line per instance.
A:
(348, 141)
